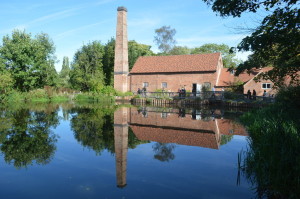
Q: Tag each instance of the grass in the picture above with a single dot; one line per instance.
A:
(272, 162)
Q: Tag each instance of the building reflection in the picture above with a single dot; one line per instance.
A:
(121, 144)
(203, 128)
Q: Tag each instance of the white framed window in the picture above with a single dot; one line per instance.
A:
(164, 84)
(145, 84)
(232, 72)
(265, 85)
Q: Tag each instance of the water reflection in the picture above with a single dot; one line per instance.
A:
(205, 128)
(26, 136)
(168, 127)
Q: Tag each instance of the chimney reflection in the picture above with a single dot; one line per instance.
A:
(121, 144)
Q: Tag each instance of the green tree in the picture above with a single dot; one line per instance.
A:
(108, 61)
(30, 61)
(229, 60)
(87, 69)
(180, 50)
(165, 38)
(274, 42)
(65, 72)
(6, 82)
(135, 50)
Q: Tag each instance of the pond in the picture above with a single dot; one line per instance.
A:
(112, 151)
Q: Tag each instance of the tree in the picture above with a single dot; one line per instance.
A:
(135, 50)
(6, 82)
(65, 72)
(108, 61)
(165, 38)
(87, 69)
(228, 58)
(180, 50)
(275, 42)
(30, 61)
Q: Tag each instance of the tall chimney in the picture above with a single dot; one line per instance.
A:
(121, 52)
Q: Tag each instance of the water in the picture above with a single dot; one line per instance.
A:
(104, 151)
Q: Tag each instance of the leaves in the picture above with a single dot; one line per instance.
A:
(275, 42)
(30, 61)
(165, 38)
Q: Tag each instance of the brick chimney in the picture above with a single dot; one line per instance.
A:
(121, 52)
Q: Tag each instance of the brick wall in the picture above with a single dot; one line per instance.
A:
(174, 81)
(258, 87)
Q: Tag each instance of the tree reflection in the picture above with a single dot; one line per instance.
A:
(28, 138)
(163, 151)
(94, 129)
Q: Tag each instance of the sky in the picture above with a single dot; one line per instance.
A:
(73, 23)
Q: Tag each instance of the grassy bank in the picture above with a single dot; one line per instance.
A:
(44, 96)
(272, 162)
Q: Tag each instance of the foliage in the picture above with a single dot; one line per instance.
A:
(229, 60)
(12, 97)
(87, 69)
(163, 151)
(135, 50)
(28, 138)
(108, 61)
(180, 50)
(165, 38)
(226, 139)
(274, 42)
(6, 82)
(289, 94)
(30, 61)
(272, 163)
(93, 128)
(64, 74)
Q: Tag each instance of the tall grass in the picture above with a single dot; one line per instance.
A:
(272, 162)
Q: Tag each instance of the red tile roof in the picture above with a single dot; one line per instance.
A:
(227, 79)
(190, 138)
(177, 63)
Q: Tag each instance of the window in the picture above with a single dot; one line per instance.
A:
(232, 72)
(145, 84)
(265, 85)
(164, 84)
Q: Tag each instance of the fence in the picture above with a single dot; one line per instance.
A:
(205, 95)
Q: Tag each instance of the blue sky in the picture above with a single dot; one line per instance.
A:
(72, 23)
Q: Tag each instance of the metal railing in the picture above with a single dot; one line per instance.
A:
(205, 95)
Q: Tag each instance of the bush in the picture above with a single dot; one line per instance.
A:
(289, 95)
